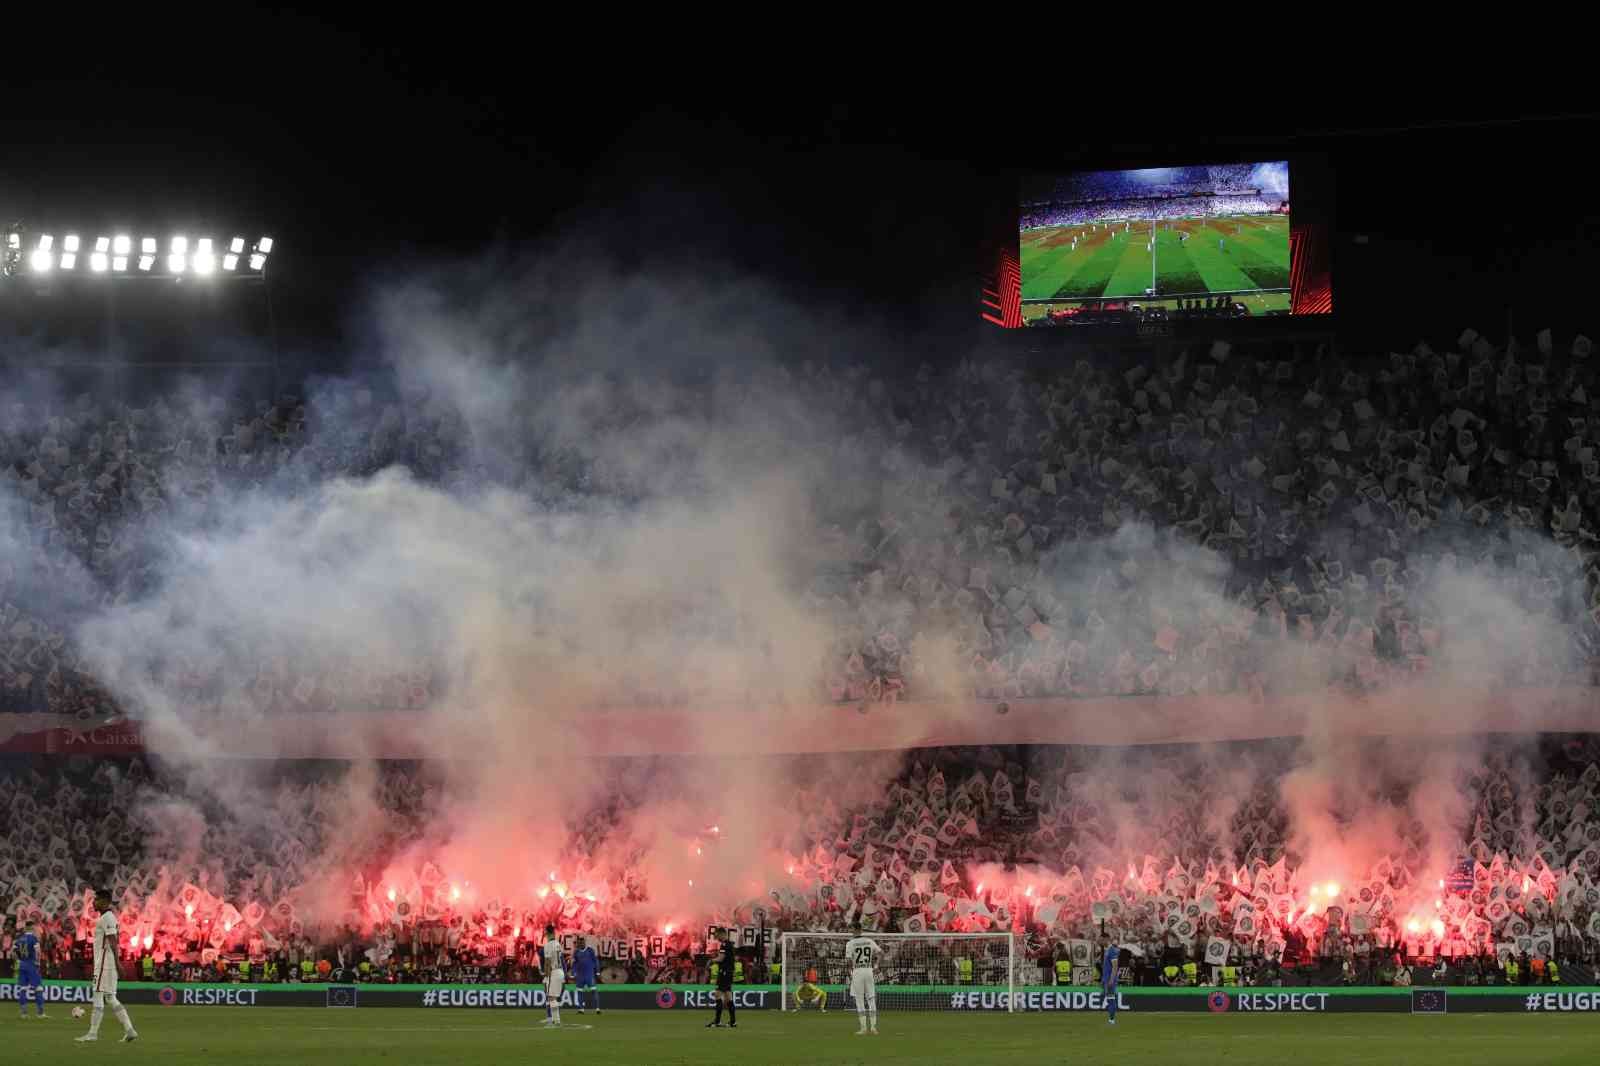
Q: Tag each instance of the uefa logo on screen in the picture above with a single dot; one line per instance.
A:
(1218, 1002)
(666, 999)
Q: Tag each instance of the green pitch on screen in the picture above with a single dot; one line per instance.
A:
(190, 1036)
(1114, 263)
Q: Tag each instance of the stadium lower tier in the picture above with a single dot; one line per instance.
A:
(1033, 999)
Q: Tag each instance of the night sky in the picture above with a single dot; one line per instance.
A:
(366, 152)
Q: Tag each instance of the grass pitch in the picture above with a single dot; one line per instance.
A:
(179, 1036)
(1189, 257)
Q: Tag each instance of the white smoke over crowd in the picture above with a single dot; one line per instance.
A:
(625, 528)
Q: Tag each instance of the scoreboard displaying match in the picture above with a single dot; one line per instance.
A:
(1159, 244)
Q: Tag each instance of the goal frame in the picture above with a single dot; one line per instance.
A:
(786, 989)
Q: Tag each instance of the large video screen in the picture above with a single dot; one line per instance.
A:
(1155, 242)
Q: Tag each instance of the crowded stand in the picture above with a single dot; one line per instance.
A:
(1069, 848)
(1345, 495)
(1147, 210)
(1198, 522)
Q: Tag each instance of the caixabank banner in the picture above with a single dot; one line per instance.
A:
(1544, 999)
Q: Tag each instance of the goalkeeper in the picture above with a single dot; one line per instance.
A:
(810, 992)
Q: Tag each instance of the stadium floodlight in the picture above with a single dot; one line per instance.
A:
(203, 246)
(14, 241)
(204, 263)
(147, 246)
(146, 262)
(69, 260)
(119, 262)
(230, 261)
(177, 263)
(236, 246)
(257, 261)
(98, 262)
(264, 246)
(122, 245)
(102, 244)
(41, 260)
(70, 244)
(180, 246)
(46, 242)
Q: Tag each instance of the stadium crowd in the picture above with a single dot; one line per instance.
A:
(1147, 210)
(1345, 494)
(1068, 848)
(1342, 492)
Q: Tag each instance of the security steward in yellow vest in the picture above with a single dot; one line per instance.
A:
(1063, 971)
(1191, 974)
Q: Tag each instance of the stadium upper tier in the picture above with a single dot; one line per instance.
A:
(1167, 526)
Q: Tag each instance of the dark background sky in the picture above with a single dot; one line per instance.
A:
(365, 157)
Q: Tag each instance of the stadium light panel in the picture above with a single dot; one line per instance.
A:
(264, 246)
(14, 240)
(40, 261)
(147, 246)
(177, 263)
(46, 242)
(98, 262)
(121, 245)
(70, 243)
(236, 246)
(180, 246)
(119, 262)
(69, 260)
(204, 263)
(257, 261)
(102, 244)
(146, 262)
(230, 261)
(203, 246)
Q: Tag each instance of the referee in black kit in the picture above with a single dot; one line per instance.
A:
(724, 992)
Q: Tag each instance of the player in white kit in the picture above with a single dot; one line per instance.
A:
(862, 954)
(104, 988)
(555, 977)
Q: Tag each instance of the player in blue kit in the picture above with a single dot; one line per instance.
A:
(1108, 982)
(585, 967)
(26, 949)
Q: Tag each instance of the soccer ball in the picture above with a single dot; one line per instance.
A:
(77, 1012)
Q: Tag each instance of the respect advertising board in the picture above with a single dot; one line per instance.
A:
(1032, 999)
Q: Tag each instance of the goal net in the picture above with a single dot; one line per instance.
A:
(917, 971)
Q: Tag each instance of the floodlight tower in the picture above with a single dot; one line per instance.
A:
(63, 255)
(119, 256)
